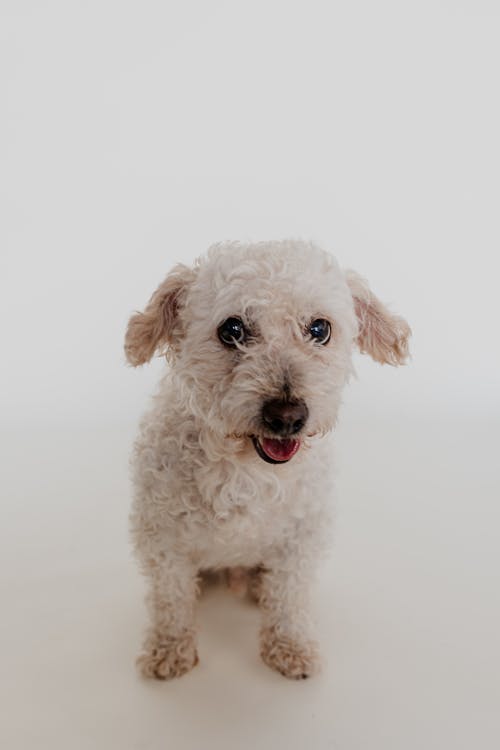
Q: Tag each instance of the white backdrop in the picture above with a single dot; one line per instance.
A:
(135, 134)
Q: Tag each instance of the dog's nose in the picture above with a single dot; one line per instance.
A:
(284, 417)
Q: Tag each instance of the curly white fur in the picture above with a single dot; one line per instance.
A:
(204, 499)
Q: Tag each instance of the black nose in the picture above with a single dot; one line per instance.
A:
(284, 418)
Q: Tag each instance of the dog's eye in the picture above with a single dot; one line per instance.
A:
(320, 331)
(232, 332)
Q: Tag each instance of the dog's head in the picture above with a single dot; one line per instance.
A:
(260, 337)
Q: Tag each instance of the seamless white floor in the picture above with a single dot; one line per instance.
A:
(407, 607)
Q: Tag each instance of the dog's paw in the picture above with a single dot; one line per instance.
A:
(294, 659)
(167, 658)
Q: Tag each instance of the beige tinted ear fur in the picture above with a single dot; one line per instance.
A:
(154, 329)
(381, 334)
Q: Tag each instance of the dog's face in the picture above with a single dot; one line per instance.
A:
(260, 340)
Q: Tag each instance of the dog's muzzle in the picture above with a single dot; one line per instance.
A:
(284, 419)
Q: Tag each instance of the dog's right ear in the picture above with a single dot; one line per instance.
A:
(155, 328)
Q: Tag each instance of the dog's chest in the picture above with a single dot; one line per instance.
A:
(242, 537)
(249, 513)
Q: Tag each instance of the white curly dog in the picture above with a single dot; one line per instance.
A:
(232, 468)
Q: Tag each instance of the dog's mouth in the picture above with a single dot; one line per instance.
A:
(276, 451)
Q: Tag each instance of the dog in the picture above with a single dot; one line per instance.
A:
(232, 467)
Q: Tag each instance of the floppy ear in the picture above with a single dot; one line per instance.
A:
(381, 334)
(155, 328)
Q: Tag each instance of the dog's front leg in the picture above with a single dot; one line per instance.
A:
(286, 642)
(170, 645)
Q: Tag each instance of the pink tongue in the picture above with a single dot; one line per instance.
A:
(280, 450)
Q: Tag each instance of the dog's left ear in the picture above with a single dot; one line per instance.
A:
(157, 327)
(381, 334)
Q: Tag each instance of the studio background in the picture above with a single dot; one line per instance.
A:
(133, 135)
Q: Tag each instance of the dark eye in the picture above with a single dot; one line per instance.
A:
(232, 332)
(320, 331)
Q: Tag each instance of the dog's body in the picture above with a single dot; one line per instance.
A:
(232, 469)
